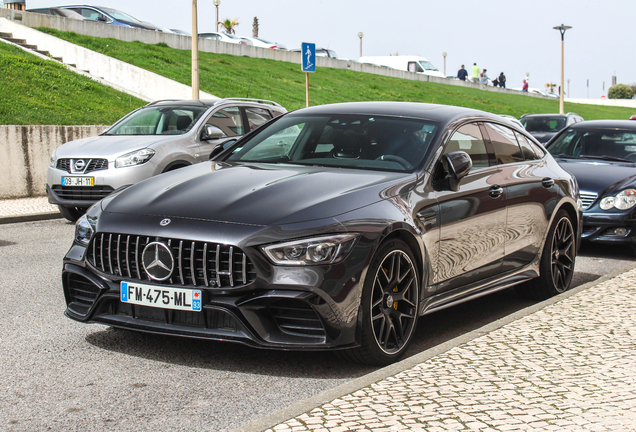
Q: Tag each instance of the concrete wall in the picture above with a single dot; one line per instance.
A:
(25, 152)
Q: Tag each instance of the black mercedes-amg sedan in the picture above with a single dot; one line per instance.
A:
(330, 227)
(601, 154)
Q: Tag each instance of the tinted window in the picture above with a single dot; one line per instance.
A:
(543, 123)
(158, 120)
(228, 120)
(257, 116)
(504, 143)
(590, 142)
(469, 139)
(530, 150)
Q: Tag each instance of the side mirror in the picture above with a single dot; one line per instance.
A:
(211, 132)
(220, 147)
(457, 164)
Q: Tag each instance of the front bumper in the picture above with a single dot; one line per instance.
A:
(609, 227)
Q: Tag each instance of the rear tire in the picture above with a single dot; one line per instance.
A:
(71, 213)
(389, 306)
(557, 261)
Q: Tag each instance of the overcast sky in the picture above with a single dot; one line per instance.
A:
(512, 36)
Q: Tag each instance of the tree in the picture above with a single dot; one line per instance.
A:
(620, 91)
(255, 28)
(229, 25)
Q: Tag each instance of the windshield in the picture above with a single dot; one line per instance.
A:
(344, 141)
(427, 65)
(119, 15)
(158, 121)
(543, 124)
(595, 142)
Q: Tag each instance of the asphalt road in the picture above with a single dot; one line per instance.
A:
(57, 374)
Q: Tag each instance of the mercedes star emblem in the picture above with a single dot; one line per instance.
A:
(157, 261)
(165, 222)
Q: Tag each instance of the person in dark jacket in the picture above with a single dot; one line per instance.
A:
(502, 80)
(462, 74)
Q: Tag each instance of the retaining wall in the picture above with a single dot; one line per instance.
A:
(25, 152)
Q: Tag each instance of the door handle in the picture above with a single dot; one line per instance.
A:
(547, 182)
(495, 191)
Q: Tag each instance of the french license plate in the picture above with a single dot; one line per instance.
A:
(78, 181)
(160, 297)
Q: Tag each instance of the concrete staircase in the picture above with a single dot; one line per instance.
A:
(23, 43)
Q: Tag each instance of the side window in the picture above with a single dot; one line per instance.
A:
(415, 67)
(529, 149)
(228, 120)
(504, 143)
(90, 14)
(469, 139)
(257, 116)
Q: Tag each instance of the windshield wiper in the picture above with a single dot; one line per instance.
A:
(607, 158)
(565, 156)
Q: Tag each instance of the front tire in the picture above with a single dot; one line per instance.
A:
(71, 213)
(389, 306)
(557, 261)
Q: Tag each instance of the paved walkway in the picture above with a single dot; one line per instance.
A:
(568, 366)
(25, 209)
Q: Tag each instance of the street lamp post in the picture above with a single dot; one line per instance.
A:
(195, 52)
(562, 29)
(444, 55)
(217, 3)
(360, 35)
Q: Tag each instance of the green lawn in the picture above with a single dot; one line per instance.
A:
(232, 76)
(36, 91)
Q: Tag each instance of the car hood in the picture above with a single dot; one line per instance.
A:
(257, 194)
(108, 146)
(600, 177)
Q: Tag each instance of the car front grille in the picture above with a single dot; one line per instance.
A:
(82, 193)
(588, 199)
(297, 318)
(82, 293)
(196, 263)
(92, 165)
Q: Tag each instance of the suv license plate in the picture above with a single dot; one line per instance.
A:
(160, 297)
(78, 181)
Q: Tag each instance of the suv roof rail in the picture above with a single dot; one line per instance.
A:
(162, 100)
(262, 101)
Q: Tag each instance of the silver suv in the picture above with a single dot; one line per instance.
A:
(159, 137)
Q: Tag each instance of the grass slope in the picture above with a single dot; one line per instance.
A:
(232, 76)
(36, 91)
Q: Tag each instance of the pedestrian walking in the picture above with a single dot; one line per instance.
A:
(484, 78)
(475, 74)
(462, 74)
(525, 86)
(502, 80)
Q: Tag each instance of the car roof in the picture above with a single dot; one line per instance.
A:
(605, 124)
(550, 115)
(216, 102)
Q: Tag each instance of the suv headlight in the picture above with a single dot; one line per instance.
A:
(84, 229)
(137, 157)
(313, 251)
(53, 160)
(623, 201)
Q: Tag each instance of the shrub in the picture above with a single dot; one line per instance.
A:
(620, 91)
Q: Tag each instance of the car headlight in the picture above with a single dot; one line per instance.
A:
(623, 201)
(53, 160)
(84, 229)
(137, 157)
(313, 251)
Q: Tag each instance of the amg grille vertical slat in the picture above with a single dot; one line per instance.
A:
(193, 275)
(231, 265)
(128, 257)
(110, 255)
(95, 249)
(180, 262)
(244, 269)
(101, 253)
(117, 257)
(205, 265)
(137, 258)
(218, 265)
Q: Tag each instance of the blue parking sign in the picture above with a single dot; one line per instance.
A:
(308, 54)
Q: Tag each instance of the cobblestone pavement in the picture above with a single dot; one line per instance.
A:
(569, 366)
(15, 210)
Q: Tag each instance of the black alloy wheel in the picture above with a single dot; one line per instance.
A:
(557, 261)
(389, 306)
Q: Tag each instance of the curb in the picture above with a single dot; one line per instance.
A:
(29, 218)
(307, 405)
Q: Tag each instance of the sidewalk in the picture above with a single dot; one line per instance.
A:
(568, 363)
(27, 209)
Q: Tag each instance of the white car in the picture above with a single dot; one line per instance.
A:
(224, 37)
(258, 42)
